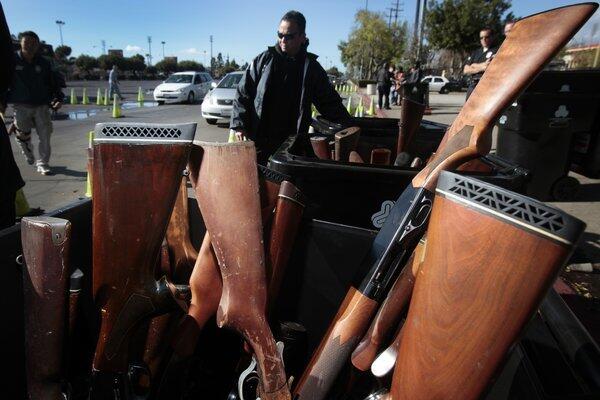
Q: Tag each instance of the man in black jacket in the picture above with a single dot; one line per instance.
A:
(273, 99)
(34, 88)
(10, 176)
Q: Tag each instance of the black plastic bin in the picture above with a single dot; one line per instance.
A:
(360, 194)
(551, 129)
(324, 262)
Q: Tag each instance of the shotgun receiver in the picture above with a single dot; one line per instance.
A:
(137, 170)
(389, 314)
(227, 189)
(491, 257)
(530, 45)
(46, 252)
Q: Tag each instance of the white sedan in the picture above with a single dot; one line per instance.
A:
(183, 86)
(436, 83)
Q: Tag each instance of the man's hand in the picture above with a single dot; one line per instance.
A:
(56, 105)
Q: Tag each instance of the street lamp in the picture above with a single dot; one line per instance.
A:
(60, 24)
(163, 45)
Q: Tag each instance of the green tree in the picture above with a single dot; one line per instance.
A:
(167, 65)
(106, 61)
(62, 52)
(136, 63)
(86, 63)
(455, 24)
(334, 71)
(190, 65)
(371, 43)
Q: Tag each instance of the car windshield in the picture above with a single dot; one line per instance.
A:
(230, 81)
(179, 79)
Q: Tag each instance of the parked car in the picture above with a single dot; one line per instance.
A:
(219, 101)
(442, 84)
(183, 86)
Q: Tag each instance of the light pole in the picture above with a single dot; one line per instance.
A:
(204, 58)
(163, 45)
(149, 50)
(211, 58)
(60, 24)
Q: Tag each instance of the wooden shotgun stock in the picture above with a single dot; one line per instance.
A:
(411, 114)
(389, 314)
(182, 252)
(354, 157)
(381, 156)
(288, 214)
(530, 45)
(137, 169)
(320, 146)
(346, 140)
(75, 286)
(46, 252)
(227, 190)
(491, 257)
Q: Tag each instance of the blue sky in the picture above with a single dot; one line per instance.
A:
(241, 29)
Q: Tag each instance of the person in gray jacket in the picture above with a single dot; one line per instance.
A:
(35, 88)
(274, 97)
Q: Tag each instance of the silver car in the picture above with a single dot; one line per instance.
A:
(218, 102)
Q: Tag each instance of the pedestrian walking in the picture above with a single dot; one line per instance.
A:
(397, 86)
(384, 83)
(35, 88)
(113, 83)
(274, 97)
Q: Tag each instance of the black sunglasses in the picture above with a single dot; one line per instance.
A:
(286, 36)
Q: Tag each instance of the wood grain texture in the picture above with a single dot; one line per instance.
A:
(480, 282)
(346, 140)
(227, 190)
(411, 114)
(182, 252)
(282, 236)
(134, 191)
(320, 147)
(45, 277)
(532, 42)
(381, 156)
(346, 329)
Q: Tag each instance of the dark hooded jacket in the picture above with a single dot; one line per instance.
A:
(273, 99)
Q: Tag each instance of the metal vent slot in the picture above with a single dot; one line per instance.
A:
(516, 206)
(141, 131)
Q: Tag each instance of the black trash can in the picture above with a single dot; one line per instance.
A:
(552, 128)
(361, 194)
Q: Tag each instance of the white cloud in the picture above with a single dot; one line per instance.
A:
(131, 48)
(192, 51)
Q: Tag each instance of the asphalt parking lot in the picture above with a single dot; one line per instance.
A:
(70, 140)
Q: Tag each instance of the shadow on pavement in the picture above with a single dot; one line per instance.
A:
(61, 170)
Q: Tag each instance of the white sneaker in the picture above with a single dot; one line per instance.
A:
(43, 169)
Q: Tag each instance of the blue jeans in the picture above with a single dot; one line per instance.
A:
(114, 89)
